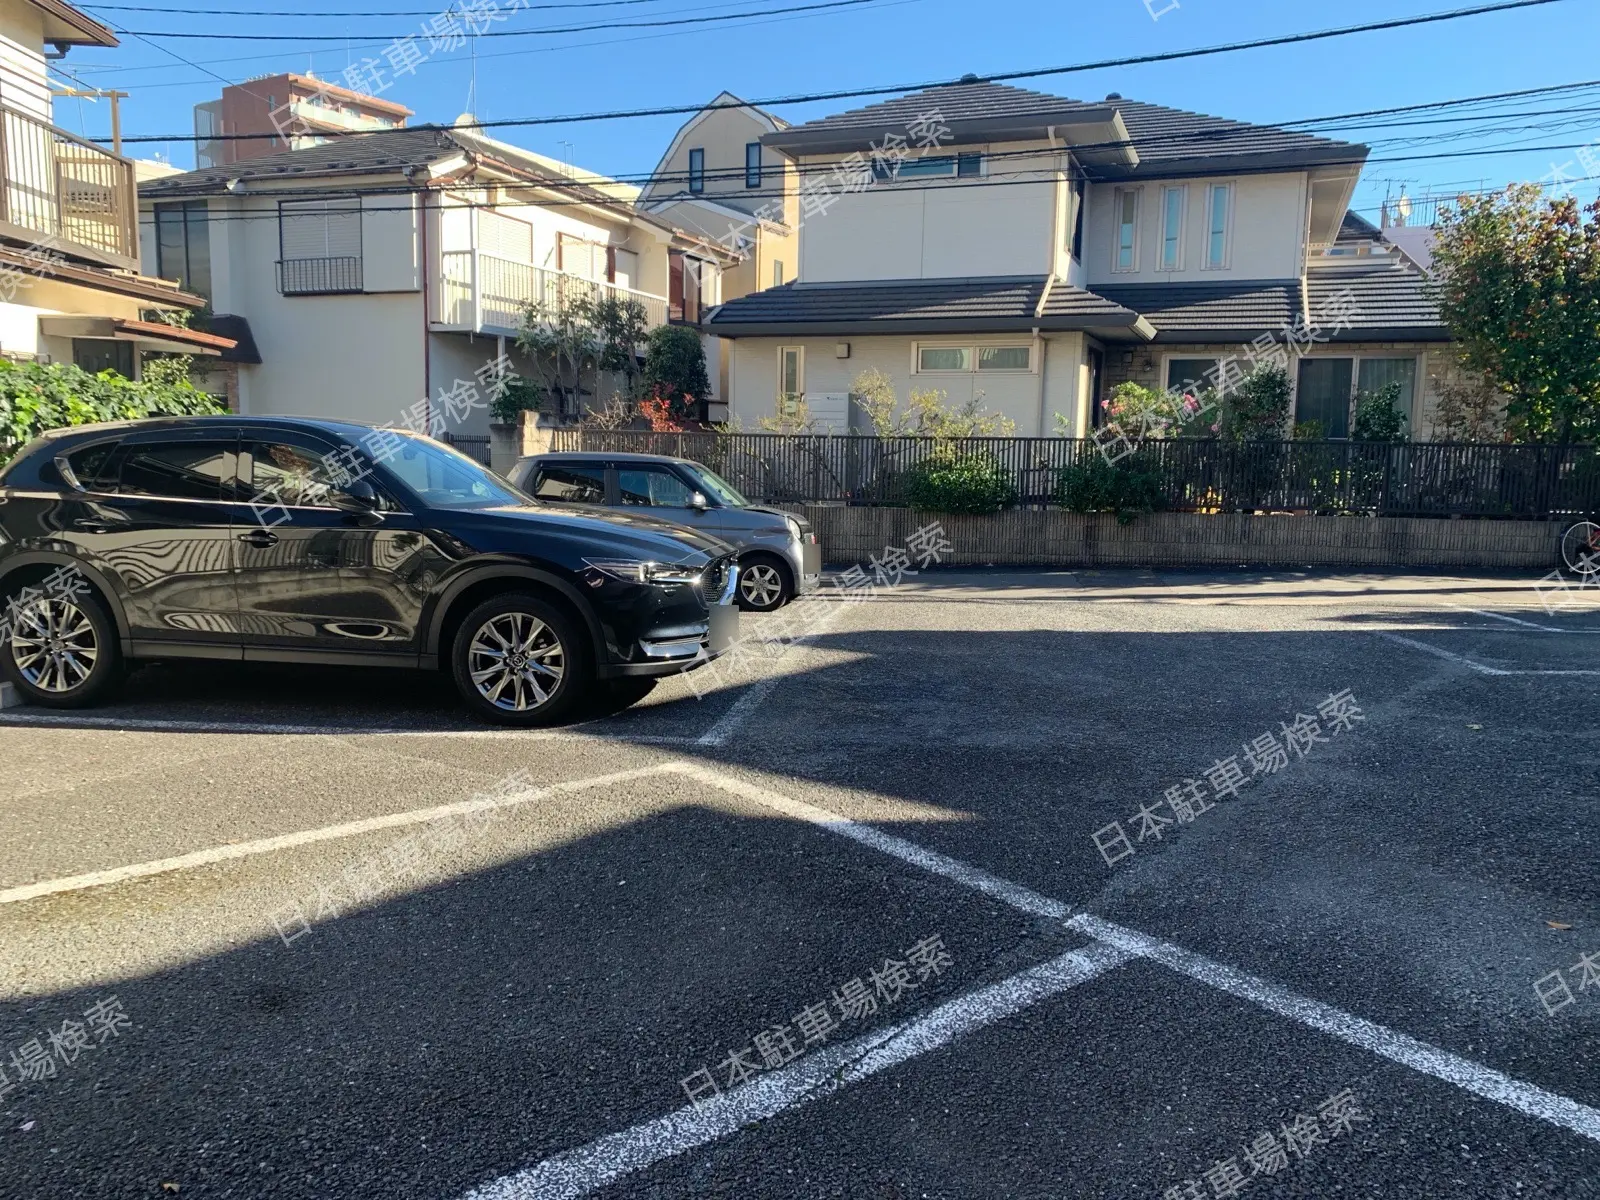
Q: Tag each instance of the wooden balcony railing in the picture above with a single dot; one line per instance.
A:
(63, 192)
(484, 293)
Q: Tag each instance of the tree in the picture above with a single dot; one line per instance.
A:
(927, 413)
(1256, 409)
(675, 367)
(579, 337)
(1518, 286)
(1378, 415)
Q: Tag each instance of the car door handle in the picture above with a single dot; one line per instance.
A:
(259, 537)
(91, 525)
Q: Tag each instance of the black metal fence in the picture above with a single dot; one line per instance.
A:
(473, 447)
(1190, 475)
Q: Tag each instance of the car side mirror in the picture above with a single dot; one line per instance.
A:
(358, 496)
(698, 502)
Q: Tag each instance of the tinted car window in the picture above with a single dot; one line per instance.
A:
(571, 484)
(443, 477)
(95, 467)
(293, 476)
(190, 470)
(654, 486)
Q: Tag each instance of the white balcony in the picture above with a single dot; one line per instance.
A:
(484, 293)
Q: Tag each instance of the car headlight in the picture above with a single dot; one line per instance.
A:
(794, 529)
(633, 570)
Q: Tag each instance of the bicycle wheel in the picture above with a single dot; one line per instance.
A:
(1580, 549)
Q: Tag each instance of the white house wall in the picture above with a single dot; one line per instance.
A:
(935, 228)
(753, 376)
(390, 248)
(1268, 230)
(24, 84)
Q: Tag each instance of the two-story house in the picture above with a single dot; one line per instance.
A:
(1033, 251)
(718, 179)
(375, 271)
(70, 288)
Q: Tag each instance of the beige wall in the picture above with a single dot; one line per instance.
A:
(753, 375)
(753, 273)
(23, 82)
(1267, 237)
(19, 318)
(936, 228)
(723, 134)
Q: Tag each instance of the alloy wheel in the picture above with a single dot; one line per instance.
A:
(53, 644)
(761, 584)
(516, 661)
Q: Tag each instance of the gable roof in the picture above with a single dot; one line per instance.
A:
(384, 152)
(1163, 138)
(65, 25)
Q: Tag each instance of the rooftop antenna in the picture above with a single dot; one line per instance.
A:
(472, 80)
(568, 159)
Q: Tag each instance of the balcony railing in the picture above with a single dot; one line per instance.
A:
(483, 293)
(336, 276)
(62, 191)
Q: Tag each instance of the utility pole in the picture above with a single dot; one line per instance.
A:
(116, 110)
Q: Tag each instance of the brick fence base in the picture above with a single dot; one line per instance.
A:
(1053, 538)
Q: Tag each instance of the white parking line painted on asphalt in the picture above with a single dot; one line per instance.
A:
(329, 833)
(1397, 1047)
(1482, 1080)
(819, 1074)
(1459, 659)
(1483, 612)
(728, 724)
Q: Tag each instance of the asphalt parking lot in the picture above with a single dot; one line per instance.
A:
(958, 896)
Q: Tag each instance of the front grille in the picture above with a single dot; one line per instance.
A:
(712, 580)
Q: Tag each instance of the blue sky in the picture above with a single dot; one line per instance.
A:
(902, 41)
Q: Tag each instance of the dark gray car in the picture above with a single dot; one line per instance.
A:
(779, 557)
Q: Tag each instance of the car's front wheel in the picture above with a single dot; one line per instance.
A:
(62, 650)
(519, 660)
(763, 583)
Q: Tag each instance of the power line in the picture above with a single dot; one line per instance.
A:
(1034, 73)
(344, 39)
(1035, 178)
(301, 12)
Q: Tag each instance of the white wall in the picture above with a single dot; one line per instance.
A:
(1266, 239)
(753, 375)
(390, 249)
(935, 228)
(23, 82)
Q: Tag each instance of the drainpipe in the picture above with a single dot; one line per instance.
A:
(1039, 349)
(427, 335)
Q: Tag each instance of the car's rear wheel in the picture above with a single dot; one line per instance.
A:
(764, 583)
(63, 649)
(519, 660)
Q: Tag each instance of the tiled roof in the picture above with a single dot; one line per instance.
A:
(386, 152)
(1163, 137)
(1388, 301)
(916, 306)
(1191, 311)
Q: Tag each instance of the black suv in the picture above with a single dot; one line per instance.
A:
(261, 539)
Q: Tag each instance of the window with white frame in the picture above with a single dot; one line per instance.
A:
(1219, 221)
(791, 378)
(1125, 207)
(1327, 389)
(1173, 202)
(944, 359)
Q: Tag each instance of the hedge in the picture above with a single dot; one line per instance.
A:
(35, 397)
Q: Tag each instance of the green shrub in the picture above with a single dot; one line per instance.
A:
(1126, 487)
(960, 483)
(35, 397)
(1378, 416)
(675, 366)
(1257, 408)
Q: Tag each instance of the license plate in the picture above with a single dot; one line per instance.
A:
(811, 560)
(724, 630)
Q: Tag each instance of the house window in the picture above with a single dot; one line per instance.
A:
(928, 166)
(944, 359)
(1328, 389)
(1077, 219)
(1189, 374)
(1172, 206)
(1376, 373)
(103, 354)
(183, 246)
(752, 164)
(697, 171)
(777, 272)
(319, 243)
(1219, 212)
(1125, 256)
(791, 378)
(969, 166)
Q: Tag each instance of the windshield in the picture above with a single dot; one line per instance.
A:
(718, 488)
(446, 478)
